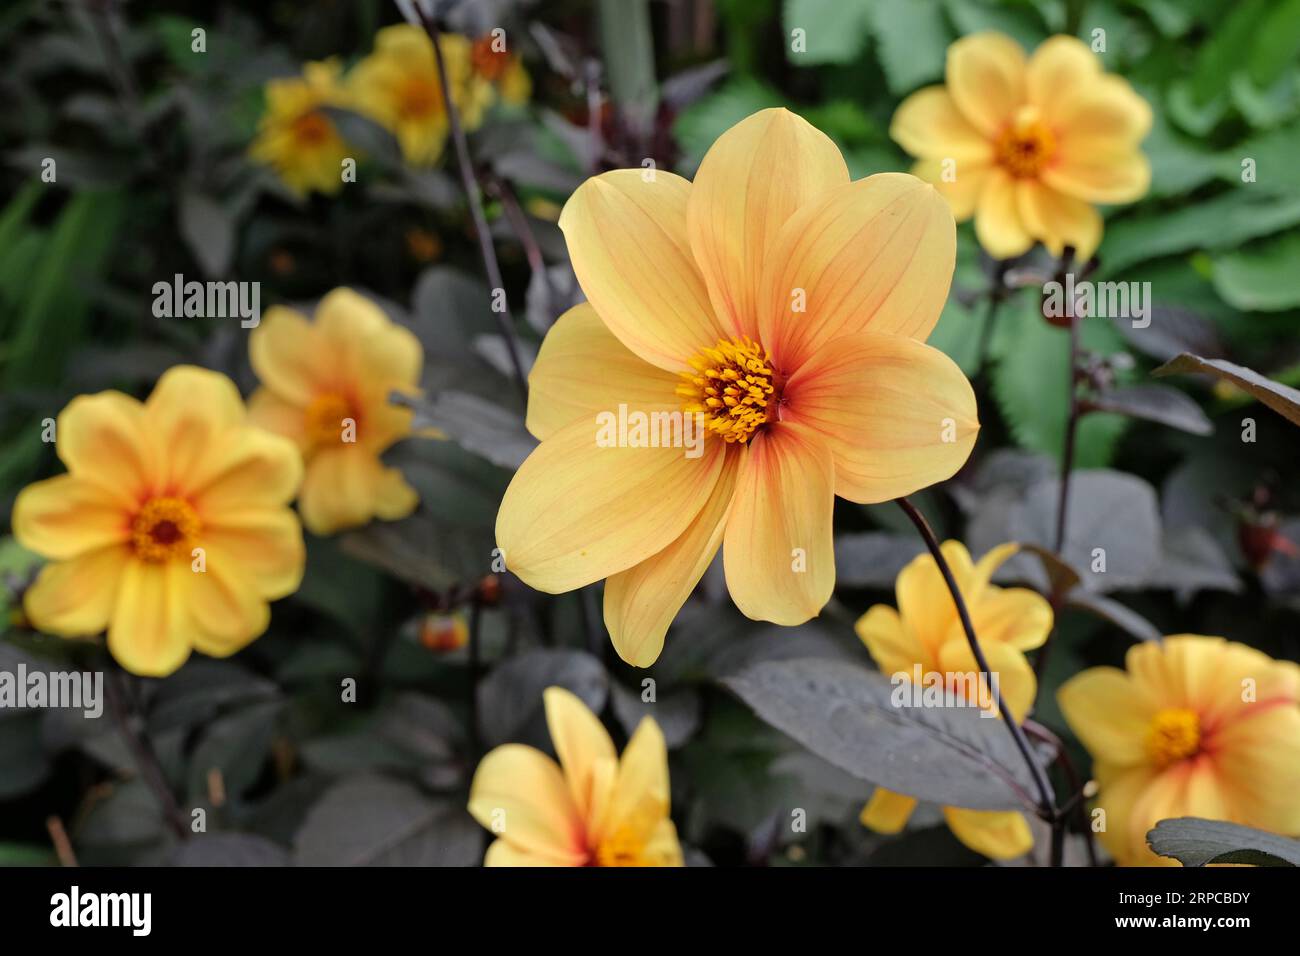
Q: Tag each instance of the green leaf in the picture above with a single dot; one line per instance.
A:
(1020, 22)
(1281, 398)
(846, 715)
(832, 30)
(510, 698)
(1196, 842)
(911, 41)
(1262, 277)
(228, 849)
(708, 118)
(1273, 157)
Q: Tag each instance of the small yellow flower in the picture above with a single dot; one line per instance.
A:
(782, 307)
(296, 138)
(504, 70)
(326, 385)
(926, 631)
(1192, 727)
(171, 528)
(1027, 145)
(398, 86)
(592, 809)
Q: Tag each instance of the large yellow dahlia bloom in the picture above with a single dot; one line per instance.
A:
(171, 528)
(326, 385)
(1026, 145)
(295, 136)
(1192, 727)
(787, 308)
(926, 631)
(593, 809)
(398, 85)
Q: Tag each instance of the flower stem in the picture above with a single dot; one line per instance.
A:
(997, 293)
(142, 751)
(1046, 799)
(470, 183)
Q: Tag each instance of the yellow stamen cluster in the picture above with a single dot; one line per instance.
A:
(312, 129)
(324, 419)
(1025, 146)
(164, 528)
(1174, 735)
(731, 385)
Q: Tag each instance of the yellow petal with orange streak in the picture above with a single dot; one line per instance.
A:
(751, 181)
(76, 597)
(640, 799)
(149, 634)
(582, 369)
(928, 124)
(873, 256)
(576, 512)
(521, 795)
(65, 516)
(631, 252)
(503, 853)
(777, 549)
(897, 414)
(105, 439)
(641, 602)
(582, 744)
(887, 811)
(1258, 762)
(189, 411)
(998, 834)
(266, 542)
(1110, 713)
(246, 468)
(268, 410)
(986, 78)
(1015, 678)
(1058, 220)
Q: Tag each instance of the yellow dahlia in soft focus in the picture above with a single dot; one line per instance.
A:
(1027, 145)
(592, 809)
(784, 309)
(326, 385)
(925, 631)
(296, 138)
(504, 70)
(171, 528)
(1192, 727)
(398, 86)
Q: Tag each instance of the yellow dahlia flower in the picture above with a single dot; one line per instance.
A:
(504, 70)
(326, 385)
(1192, 727)
(779, 311)
(296, 138)
(926, 632)
(398, 86)
(1028, 145)
(592, 809)
(171, 528)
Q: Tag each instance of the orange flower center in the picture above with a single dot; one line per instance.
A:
(312, 129)
(1025, 146)
(418, 98)
(489, 63)
(326, 419)
(732, 385)
(1174, 735)
(164, 528)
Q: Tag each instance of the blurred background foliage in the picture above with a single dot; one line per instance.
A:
(150, 140)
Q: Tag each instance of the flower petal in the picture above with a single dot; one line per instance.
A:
(105, 439)
(998, 834)
(583, 369)
(640, 800)
(64, 516)
(520, 794)
(778, 552)
(876, 255)
(369, 345)
(268, 410)
(1258, 762)
(890, 644)
(224, 605)
(76, 597)
(752, 179)
(503, 853)
(886, 811)
(925, 603)
(928, 124)
(1109, 713)
(998, 226)
(190, 410)
(248, 468)
(1015, 679)
(630, 250)
(986, 78)
(347, 487)
(1060, 68)
(577, 512)
(582, 744)
(1058, 220)
(897, 414)
(1110, 176)
(286, 354)
(1103, 114)
(148, 634)
(961, 187)
(641, 602)
(267, 543)
(1017, 617)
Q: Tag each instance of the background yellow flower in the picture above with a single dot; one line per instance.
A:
(171, 528)
(296, 137)
(326, 385)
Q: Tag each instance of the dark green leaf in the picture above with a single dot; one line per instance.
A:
(1281, 398)
(1196, 842)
